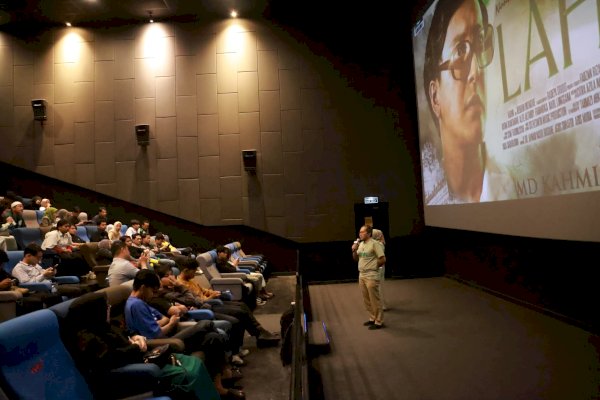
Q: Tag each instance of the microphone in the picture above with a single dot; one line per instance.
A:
(357, 241)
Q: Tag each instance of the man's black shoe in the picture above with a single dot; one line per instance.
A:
(267, 339)
(375, 326)
(369, 323)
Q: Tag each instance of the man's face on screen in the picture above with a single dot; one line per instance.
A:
(460, 93)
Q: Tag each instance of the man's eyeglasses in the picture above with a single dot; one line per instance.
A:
(482, 45)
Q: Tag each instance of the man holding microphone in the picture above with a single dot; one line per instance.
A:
(370, 256)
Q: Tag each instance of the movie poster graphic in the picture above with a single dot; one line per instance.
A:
(508, 99)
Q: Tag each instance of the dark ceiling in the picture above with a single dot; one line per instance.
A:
(18, 14)
(368, 43)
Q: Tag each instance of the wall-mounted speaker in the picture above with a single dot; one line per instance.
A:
(249, 160)
(142, 135)
(39, 109)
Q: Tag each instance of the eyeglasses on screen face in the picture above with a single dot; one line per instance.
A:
(482, 46)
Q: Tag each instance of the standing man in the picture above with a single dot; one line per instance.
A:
(370, 256)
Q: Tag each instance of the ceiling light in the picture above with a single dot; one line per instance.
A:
(67, 23)
(233, 14)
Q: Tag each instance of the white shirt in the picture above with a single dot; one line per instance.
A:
(55, 238)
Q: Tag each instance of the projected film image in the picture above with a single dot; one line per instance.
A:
(508, 99)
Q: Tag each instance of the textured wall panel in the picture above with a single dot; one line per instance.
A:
(250, 131)
(165, 97)
(248, 91)
(125, 101)
(84, 101)
(227, 73)
(165, 134)
(64, 118)
(247, 56)
(187, 157)
(230, 159)
(228, 113)
(23, 85)
(270, 114)
(268, 70)
(104, 121)
(206, 89)
(124, 64)
(105, 162)
(185, 75)
(187, 119)
(125, 141)
(272, 156)
(231, 197)
(103, 82)
(84, 143)
(208, 135)
(168, 186)
(208, 173)
(273, 195)
(291, 130)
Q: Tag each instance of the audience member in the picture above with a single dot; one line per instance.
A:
(226, 265)
(77, 241)
(186, 291)
(143, 319)
(98, 347)
(29, 270)
(74, 216)
(101, 232)
(44, 204)
(145, 228)
(30, 301)
(122, 268)
(134, 226)
(59, 242)
(164, 246)
(82, 218)
(35, 203)
(102, 214)
(115, 232)
(15, 213)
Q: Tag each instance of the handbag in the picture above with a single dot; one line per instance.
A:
(160, 355)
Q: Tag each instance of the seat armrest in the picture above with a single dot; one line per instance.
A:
(199, 315)
(66, 279)
(37, 286)
(101, 268)
(239, 275)
(9, 296)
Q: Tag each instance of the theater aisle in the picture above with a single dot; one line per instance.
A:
(265, 378)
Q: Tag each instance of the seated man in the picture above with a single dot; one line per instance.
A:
(29, 270)
(101, 233)
(225, 264)
(168, 305)
(164, 246)
(59, 242)
(30, 301)
(187, 292)
(136, 249)
(14, 215)
(122, 268)
(143, 319)
(134, 226)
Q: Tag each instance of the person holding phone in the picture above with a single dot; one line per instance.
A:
(28, 270)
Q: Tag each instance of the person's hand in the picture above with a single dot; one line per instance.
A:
(5, 284)
(235, 261)
(140, 341)
(174, 319)
(182, 309)
(49, 272)
(143, 258)
(354, 246)
(10, 220)
(214, 295)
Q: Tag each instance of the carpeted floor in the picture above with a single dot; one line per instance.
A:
(446, 340)
(265, 378)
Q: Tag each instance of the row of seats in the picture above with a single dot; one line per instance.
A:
(24, 236)
(36, 364)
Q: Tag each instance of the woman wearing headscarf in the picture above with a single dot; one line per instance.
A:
(115, 232)
(378, 236)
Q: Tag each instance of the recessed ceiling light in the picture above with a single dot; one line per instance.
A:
(67, 23)
(233, 14)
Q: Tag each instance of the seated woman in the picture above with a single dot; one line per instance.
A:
(99, 347)
(115, 232)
